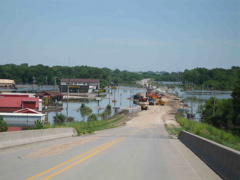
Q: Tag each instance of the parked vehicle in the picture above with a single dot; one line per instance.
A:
(144, 107)
(151, 101)
(142, 99)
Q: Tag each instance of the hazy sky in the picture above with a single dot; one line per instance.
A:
(133, 35)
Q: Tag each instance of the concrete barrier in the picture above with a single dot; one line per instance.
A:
(10, 139)
(223, 160)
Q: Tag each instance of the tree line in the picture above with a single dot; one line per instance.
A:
(217, 78)
(224, 113)
(25, 74)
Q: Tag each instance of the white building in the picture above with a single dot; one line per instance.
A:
(79, 85)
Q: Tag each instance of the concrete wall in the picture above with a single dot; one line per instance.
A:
(223, 160)
(10, 139)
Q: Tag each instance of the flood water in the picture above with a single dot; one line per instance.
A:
(122, 96)
(193, 99)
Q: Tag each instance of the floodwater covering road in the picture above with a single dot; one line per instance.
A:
(140, 150)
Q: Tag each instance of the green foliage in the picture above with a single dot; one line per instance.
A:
(218, 78)
(59, 118)
(210, 132)
(109, 107)
(70, 119)
(38, 124)
(219, 113)
(236, 101)
(84, 111)
(3, 125)
(24, 74)
(92, 117)
(107, 112)
(223, 113)
(175, 130)
(91, 126)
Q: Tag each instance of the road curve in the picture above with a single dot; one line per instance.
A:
(140, 150)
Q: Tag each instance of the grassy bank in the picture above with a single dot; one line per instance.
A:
(90, 127)
(206, 131)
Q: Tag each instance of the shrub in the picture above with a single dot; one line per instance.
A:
(92, 117)
(59, 118)
(38, 124)
(3, 125)
(70, 119)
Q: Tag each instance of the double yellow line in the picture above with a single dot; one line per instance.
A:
(77, 159)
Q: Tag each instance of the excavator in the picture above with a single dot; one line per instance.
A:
(156, 97)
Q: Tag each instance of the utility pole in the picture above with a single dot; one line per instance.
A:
(67, 96)
(192, 101)
(213, 102)
(34, 81)
(55, 83)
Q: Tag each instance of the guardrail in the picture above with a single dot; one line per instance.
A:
(10, 139)
(223, 160)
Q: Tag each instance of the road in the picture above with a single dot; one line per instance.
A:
(140, 150)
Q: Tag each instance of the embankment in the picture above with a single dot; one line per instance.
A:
(223, 160)
(10, 139)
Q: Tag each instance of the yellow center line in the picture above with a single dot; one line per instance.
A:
(83, 159)
(81, 155)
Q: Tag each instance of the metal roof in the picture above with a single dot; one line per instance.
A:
(27, 110)
(16, 101)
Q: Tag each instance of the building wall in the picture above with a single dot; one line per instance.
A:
(31, 105)
(21, 121)
(74, 89)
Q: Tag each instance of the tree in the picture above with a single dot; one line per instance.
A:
(59, 118)
(3, 125)
(219, 113)
(92, 117)
(85, 111)
(236, 101)
(107, 112)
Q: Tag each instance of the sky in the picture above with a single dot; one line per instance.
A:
(132, 35)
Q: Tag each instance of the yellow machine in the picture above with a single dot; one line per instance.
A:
(160, 102)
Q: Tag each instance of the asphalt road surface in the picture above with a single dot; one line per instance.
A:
(140, 150)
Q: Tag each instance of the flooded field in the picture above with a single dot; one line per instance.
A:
(119, 99)
(193, 99)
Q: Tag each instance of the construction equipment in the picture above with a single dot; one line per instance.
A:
(142, 99)
(153, 95)
(144, 107)
(160, 102)
(151, 101)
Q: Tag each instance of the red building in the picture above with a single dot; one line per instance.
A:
(11, 104)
